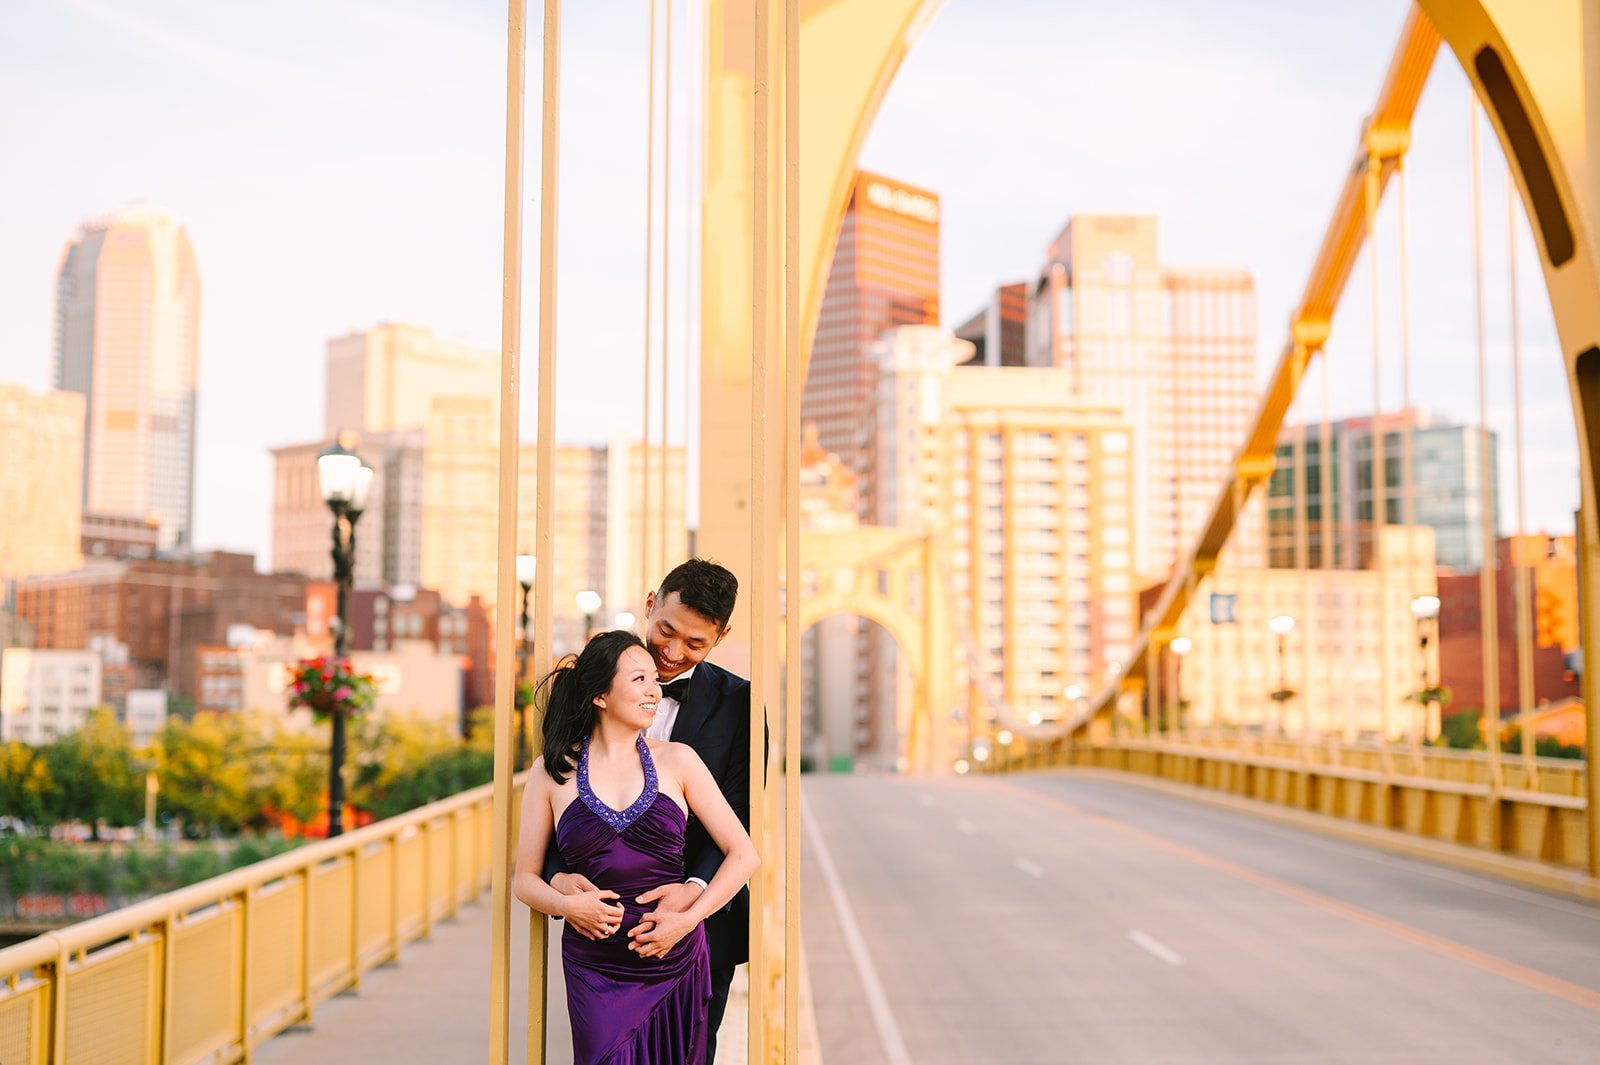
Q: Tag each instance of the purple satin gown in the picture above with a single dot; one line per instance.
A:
(628, 1010)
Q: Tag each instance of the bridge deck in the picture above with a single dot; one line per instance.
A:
(1071, 916)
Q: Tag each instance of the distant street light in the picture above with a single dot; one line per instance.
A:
(1425, 608)
(345, 482)
(527, 567)
(1282, 626)
(1180, 646)
(624, 620)
(588, 604)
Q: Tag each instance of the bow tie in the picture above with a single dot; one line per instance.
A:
(676, 689)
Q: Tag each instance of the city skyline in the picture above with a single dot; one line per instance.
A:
(255, 210)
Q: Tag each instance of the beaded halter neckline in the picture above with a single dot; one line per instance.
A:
(618, 819)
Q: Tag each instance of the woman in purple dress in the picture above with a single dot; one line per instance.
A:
(617, 806)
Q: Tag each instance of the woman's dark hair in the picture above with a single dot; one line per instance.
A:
(569, 694)
(703, 586)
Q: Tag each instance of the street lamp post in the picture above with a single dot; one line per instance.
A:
(1425, 608)
(527, 566)
(345, 481)
(589, 605)
(1180, 646)
(1281, 627)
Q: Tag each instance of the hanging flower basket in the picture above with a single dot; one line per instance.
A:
(328, 686)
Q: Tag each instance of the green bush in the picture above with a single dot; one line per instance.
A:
(38, 866)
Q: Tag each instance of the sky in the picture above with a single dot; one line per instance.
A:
(340, 165)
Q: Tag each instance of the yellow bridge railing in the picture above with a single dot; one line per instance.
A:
(209, 972)
(1431, 794)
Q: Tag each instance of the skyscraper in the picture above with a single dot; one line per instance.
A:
(885, 273)
(999, 332)
(127, 338)
(1175, 349)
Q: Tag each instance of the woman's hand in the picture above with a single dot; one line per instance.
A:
(588, 911)
(659, 932)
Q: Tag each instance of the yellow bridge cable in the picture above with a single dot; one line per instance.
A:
(645, 576)
(510, 349)
(1522, 571)
(1488, 606)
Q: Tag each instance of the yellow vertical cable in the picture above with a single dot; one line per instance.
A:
(544, 489)
(1380, 471)
(646, 576)
(505, 651)
(1326, 497)
(1408, 501)
(791, 488)
(761, 569)
(1488, 607)
(693, 32)
(695, 164)
(1522, 571)
(662, 510)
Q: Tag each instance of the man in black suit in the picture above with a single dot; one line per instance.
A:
(707, 708)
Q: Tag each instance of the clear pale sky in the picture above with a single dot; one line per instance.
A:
(340, 164)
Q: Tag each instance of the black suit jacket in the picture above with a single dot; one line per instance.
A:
(715, 721)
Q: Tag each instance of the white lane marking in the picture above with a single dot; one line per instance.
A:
(966, 826)
(926, 800)
(1029, 868)
(894, 1045)
(1154, 946)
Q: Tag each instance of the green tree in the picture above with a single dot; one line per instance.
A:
(94, 776)
(1461, 730)
(205, 769)
(25, 784)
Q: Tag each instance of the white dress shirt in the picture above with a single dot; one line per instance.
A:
(661, 729)
(666, 713)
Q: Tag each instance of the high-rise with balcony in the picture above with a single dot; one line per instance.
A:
(127, 338)
(1175, 350)
(885, 273)
(1031, 491)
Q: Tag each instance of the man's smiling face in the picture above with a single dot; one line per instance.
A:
(678, 636)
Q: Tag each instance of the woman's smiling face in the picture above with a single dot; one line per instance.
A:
(635, 690)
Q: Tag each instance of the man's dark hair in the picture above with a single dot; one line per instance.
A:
(704, 587)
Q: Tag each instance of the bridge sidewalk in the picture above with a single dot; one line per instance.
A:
(433, 1007)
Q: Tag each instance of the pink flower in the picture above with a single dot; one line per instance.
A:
(342, 694)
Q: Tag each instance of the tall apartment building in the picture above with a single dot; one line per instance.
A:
(41, 482)
(1175, 350)
(1446, 492)
(885, 273)
(127, 338)
(388, 541)
(1033, 491)
(431, 516)
(385, 379)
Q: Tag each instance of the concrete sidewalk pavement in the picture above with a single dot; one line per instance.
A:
(432, 1008)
